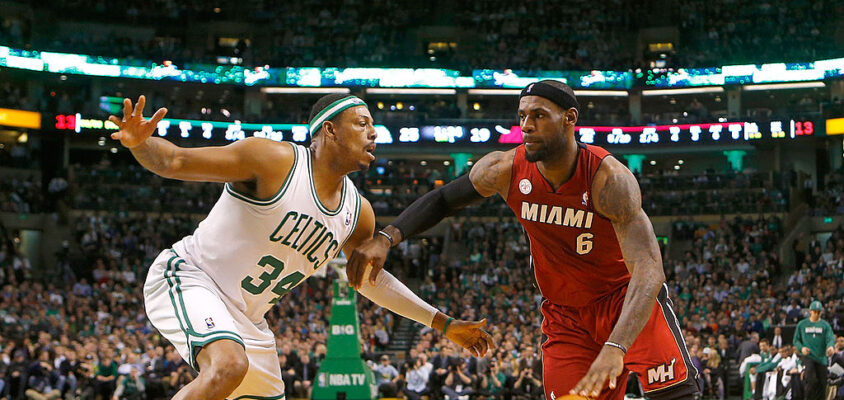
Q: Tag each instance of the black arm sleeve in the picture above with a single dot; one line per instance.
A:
(435, 205)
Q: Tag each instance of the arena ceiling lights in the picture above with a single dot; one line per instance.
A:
(778, 86)
(298, 90)
(494, 92)
(516, 92)
(671, 92)
(410, 91)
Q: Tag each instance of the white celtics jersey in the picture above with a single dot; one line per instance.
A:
(258, 250)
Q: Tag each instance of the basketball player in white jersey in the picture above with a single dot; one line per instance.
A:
(286, 210)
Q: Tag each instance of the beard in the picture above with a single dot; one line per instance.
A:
(534, 156)
(548, 149)
(364, 166)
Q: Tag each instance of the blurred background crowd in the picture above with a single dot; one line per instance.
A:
(746, 249)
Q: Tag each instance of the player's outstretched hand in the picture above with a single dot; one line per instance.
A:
(134, 129)
(470, 335)
(372, 251)
(607, 366)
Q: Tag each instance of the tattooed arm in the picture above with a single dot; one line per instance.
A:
(618, 198)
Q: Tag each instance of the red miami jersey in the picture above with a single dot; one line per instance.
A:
(574, 250)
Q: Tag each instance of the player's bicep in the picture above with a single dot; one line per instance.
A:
(616, 192)
(491, 174)
(637, 241)
(240, 161)
(618, 198)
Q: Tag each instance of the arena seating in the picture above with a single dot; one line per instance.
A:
(728, 284)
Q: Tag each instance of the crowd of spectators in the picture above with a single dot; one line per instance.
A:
(304, 32)
(731, 289)
(93, 338)
(727, 32)
(86, 335)
(14, 31)
(133, 188)
(392, 187)
(495, 34)
(711, 193)
(13, 94)
(21, 193)
(728, 289)
(90, 330)
(542, 35)
(829, 200)
(19, 156)
(662, 194)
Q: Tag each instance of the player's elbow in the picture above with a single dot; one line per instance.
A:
(648, 276)
(170, 169)
(658, 275)
(657, 280)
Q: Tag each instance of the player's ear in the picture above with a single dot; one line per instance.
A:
(330, 130)
(571, 116)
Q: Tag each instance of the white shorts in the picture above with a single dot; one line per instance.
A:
(184, 304)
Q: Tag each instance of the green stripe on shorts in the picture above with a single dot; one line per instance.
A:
(203, 338)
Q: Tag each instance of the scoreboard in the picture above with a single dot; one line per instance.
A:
(472, 134)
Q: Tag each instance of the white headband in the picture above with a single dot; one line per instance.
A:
(331, 110)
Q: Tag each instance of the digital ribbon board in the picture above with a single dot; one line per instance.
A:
(470, 133)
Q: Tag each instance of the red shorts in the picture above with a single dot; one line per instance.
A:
(575, 336)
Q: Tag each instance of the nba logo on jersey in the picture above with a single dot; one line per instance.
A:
(348, 219)
(585, 201)
(209, 322)
(525, 186)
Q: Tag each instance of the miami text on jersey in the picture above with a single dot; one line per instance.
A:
(556, 215)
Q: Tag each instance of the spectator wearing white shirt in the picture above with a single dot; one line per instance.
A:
(417, 378)
(788, 374)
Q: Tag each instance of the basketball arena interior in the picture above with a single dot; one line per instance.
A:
(728, 113)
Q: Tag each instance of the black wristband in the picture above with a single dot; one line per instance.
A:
(616, 345)
(388, 236)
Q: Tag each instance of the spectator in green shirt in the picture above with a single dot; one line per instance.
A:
(814, 340)
(106, 375)
(767, 362)
(492, 383)
(130, 387)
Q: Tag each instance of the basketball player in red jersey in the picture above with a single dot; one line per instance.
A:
(594, 253)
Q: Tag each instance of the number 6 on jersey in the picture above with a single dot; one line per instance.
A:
(584, 245)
